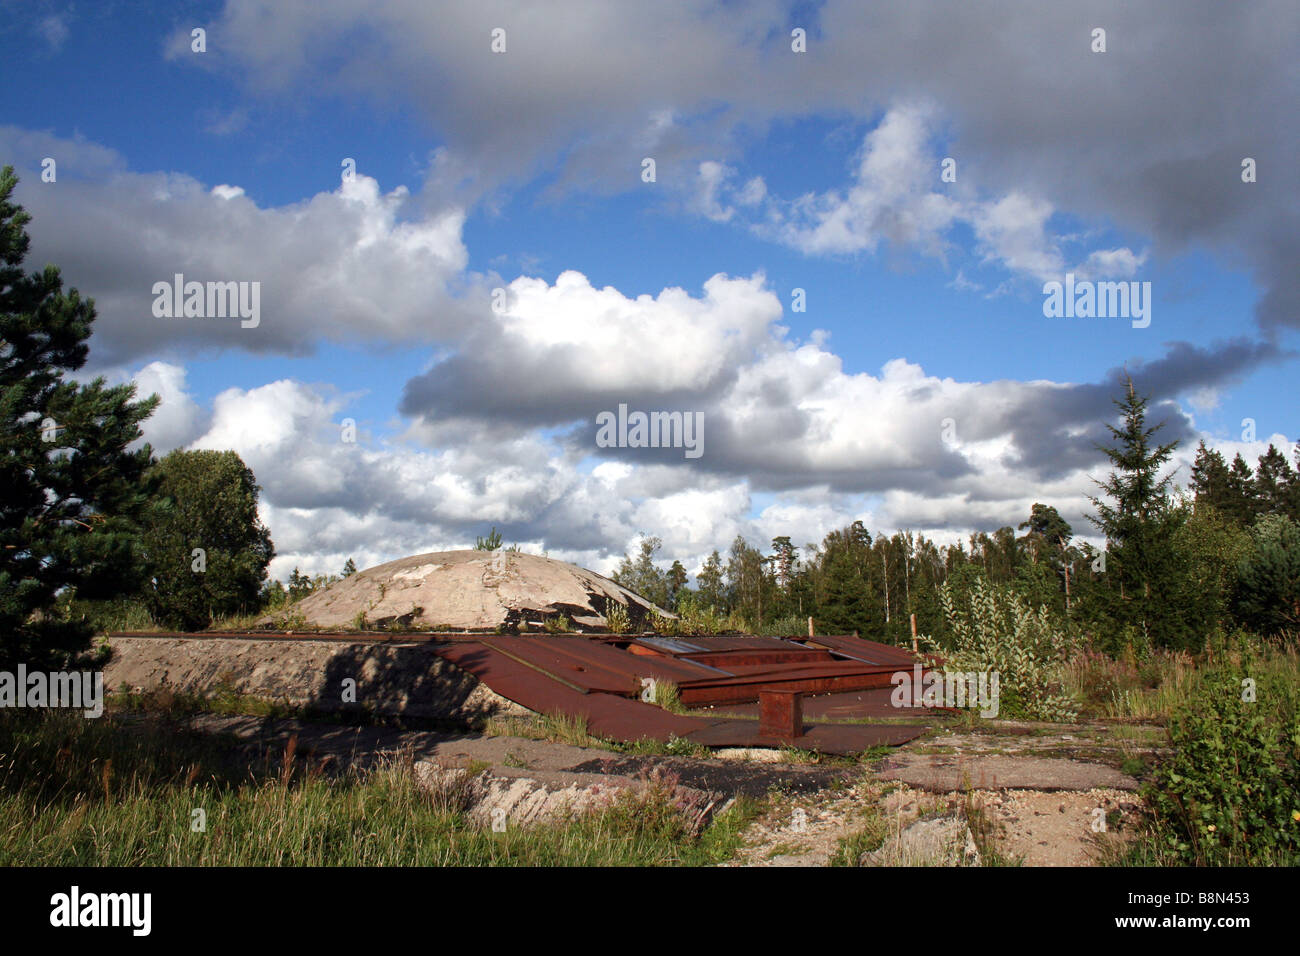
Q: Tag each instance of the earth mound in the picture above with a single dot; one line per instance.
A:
(470, 591)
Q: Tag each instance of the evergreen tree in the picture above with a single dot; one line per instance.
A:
(1274, 482)
(1139, 524)
(849, 600)
(785, 556)
(1210, 482)
(1239, 504)
(1268, 589)
(676, 580)
(300, 585)
(1049, 535)
(349, 569)
(72, 491)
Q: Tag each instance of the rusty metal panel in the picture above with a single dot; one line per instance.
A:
(846, 705)
(576, 670)
(734, 691)
(734, 642)
(669, 645)
(780, 714)
(869, 652)
(635, 666)
(728, 659)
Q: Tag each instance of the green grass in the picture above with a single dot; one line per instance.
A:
(556, 728)
(76, 792)
(870, 836)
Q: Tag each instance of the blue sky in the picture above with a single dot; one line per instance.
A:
(776, 171)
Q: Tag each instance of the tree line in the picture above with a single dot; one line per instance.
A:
(1178, 564)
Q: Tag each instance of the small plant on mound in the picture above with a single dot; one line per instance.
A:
(616, 618)
(668, 696)
(693, 617)
(290, 619)
(994, 630)
(1230, 795)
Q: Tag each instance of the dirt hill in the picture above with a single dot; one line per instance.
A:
(470, 590)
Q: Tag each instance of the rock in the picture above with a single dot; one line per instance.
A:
(469, 591)
(500, 798)
(407, 679)
(943, 841)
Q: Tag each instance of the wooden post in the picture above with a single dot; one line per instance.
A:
(915, 648)
(811, 632)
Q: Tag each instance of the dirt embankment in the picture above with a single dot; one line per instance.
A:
(387, 679)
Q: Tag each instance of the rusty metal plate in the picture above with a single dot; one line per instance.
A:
(869, 652)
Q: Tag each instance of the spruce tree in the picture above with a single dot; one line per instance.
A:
(1210, 479)
(1240, 503)
(73, 491)
(1273, 484)
(1138, 522)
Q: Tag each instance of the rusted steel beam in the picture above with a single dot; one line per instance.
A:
(780, 714)
(735, 692)
(793, 656)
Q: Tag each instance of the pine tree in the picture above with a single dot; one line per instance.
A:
(849, 600)
(1049, 536)
(72, 490)
(785, 556)
(676, 579)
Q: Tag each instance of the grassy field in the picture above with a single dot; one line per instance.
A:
(123, 791)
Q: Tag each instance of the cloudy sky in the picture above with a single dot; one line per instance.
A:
(839, 260)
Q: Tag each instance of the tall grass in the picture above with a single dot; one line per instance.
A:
(75, 792)
(1153, 685)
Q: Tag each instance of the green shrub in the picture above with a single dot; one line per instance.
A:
(790, 626)
(693, 617)
(616, 617)
(560, 624)
(1230, 794)
(993, 630)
